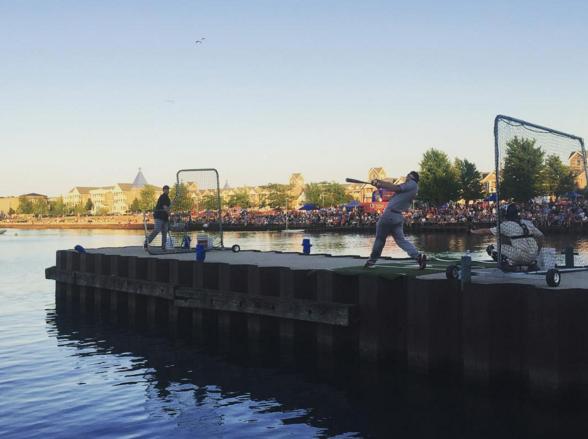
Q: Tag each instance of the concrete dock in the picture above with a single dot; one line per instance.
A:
(498, 328)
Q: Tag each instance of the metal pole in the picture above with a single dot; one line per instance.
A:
(584, 159)
(497, 169)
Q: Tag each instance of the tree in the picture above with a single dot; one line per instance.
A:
(240, 198)
(469, 180)
(522, 172)
(326, 194)
(209, 202)
(79, 209)
(11, 211)
(181, 201)
(438, 179)
(558, 178)
(147, 198)
(25, 205)
(40, 207)
(57, 207)
(312, 193)
(278, 195)
(135, 206)
(335, 194)
(89, 205)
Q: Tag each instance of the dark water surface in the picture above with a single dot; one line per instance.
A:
(64, 377)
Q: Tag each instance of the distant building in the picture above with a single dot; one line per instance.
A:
(140, 181)
(377, 174)
(576, 164)
(102, 199)
(296, 183)
(34, 196)
(488, 182)
(123, 195)
(78, 195)
(115, 199)
(8, 203)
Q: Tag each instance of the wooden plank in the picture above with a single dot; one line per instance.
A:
(114, 283)
(304, 310)
(325, 335)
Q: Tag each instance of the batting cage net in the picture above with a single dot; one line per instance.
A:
(540, 169)
(195, 213)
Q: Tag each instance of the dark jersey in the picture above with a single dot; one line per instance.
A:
(159, 212)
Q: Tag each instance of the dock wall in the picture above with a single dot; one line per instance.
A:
(532, 337)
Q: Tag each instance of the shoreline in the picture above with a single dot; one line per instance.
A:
(71, 226)
(409, 228)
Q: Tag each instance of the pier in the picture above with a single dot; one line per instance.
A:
(496, 329)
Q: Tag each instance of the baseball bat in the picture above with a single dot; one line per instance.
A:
(353, 180)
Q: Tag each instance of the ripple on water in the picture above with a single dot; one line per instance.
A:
(61, 378)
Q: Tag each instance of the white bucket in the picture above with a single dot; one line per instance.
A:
(204, 240)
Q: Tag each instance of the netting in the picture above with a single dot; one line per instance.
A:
(195, 212)
(541, 169)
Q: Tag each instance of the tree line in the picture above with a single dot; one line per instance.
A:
(526, 172)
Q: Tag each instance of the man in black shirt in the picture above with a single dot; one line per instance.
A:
(161, 216)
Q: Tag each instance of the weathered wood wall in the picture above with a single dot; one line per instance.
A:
(503, 333)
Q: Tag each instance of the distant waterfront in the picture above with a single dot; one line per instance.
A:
(135, 222)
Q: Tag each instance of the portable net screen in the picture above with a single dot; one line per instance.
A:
(536, 166)
(196, 198)
(195, 201)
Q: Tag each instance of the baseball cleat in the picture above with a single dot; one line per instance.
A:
(370, 263)
(422, 261)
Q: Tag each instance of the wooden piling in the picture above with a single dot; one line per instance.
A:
(114, 268)
(185, 278)
(197, 313)
(286, 326)
(543, 336)
(62, 298)
(172, 310)
(493, 332)
(434, 325)
(153, 267)
(325, 334)
(85, 294)
(102, 298)
(72, 263)
(224, 318)
(253, 321)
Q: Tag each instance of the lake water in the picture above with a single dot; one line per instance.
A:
(60, 377)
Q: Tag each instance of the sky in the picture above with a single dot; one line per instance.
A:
(92, 90)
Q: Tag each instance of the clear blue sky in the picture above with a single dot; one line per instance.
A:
(91, 90)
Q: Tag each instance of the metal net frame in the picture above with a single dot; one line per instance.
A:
(195, 213)
(552, 143)
(196, 205)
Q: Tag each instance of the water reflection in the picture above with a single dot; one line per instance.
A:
(207, 394)
(60, 377)
(361, 244)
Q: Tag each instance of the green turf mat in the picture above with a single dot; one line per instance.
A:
(396, 269)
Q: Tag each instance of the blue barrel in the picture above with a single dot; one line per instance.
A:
(200, 253)
(306, 246)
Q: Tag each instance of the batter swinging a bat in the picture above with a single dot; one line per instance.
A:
(391, 222)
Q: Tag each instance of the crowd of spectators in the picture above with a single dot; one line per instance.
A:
(563, 213)
(560, 213)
